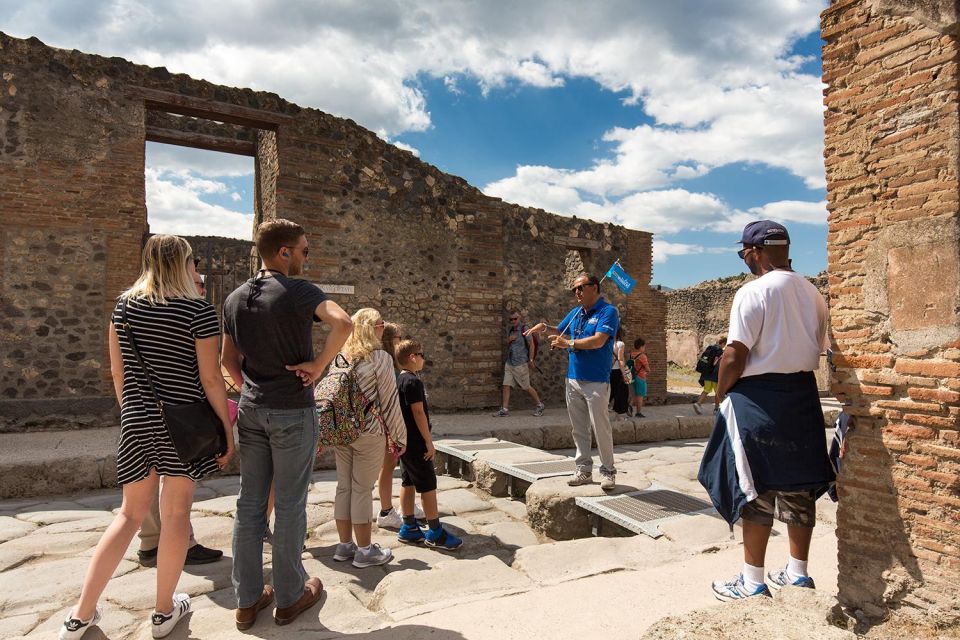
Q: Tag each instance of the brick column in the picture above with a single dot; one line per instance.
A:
(891, 157)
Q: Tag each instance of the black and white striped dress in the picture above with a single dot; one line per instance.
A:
(166, 338)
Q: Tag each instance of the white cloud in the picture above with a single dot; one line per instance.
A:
(406, 147)
(174, 206)
(662, 250)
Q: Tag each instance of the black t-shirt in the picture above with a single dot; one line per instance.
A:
(270, 320)
(411, 391)
(713, 352)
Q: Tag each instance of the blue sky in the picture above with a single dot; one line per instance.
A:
(686, 119)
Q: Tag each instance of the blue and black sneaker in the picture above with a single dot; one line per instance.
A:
(779, 579)
(440, 538)
(410, 534)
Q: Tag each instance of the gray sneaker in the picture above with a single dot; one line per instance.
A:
(372, 557)
(697, 408)
(608, 482)
(580, 479)
(503, 413)
(538, 410)
(345, 551)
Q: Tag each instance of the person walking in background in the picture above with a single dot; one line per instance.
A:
(521, 351)
(767, 455)
(175, 333)
(389, 517)
(268, 345)
(639, 367)
(618, 378)
(586, 334)
(708, 366)
(359, 463)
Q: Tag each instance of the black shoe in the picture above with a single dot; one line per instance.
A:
(147, 557)
(199, 554)
(639, 415)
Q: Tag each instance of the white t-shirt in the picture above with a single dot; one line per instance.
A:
(782, 319)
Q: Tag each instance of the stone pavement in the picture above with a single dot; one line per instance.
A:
(507, 581)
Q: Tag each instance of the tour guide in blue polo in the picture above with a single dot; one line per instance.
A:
(586, 333)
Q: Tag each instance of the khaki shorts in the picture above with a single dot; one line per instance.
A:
(516, 376)
(797, 508)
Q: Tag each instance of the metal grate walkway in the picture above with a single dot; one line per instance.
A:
(533, 471)
(643, 511)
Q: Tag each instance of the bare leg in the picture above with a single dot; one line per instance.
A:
(429, 500)
(137, 498)
(755, 537)
(505, 397)
(176, 498)
(344, 530)
(799, 541)
(385, 483)
(408, 496)
(362, 531)
(533, 395)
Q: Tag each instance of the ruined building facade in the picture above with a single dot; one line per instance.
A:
(387, 231)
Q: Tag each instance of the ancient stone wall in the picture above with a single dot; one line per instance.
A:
(891, 154)
(386, 229)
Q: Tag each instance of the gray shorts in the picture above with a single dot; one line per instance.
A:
(797, 508)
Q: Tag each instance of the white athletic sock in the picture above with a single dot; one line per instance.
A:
(796, 569)
(366, 548)
(752, 577)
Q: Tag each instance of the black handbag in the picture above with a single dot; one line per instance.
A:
(194, 427)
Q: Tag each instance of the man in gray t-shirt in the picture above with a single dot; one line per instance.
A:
(516, 371)
(268, 347)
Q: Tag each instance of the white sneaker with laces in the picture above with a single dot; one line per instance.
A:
(163, 623)
(74, 628)
(734, 589)
(373, 556)
(392, 520)
(580, 479)
(345, 551)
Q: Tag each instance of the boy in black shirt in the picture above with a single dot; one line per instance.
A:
(416, 464)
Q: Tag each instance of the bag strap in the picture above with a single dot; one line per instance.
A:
(128, 330)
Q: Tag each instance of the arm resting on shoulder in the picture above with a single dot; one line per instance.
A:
(732, 363)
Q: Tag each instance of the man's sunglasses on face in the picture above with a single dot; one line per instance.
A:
(514, 319)
(306, 250)
(579, 288)
(743, 252)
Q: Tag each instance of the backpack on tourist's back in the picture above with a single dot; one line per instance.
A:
(536, 341)
(342, 407)
(706, 360)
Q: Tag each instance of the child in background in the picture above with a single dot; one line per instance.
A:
(639, 367)
(416, 463)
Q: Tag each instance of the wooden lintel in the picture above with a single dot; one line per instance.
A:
(576, 243)
(211, 109)
(201, 141)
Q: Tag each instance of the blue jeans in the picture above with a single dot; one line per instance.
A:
(276, 445)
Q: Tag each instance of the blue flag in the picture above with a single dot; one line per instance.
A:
(619, 276)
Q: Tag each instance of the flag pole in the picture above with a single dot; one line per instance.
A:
(617, 261)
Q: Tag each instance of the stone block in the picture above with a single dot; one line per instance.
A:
(929, 306)
(552, 510)
(98, 523)
(514, 535)
(33, 478)
(116, 623)
(624, 431)
(695, 427)
(650, 430)
(19, 625)
(61, 544)
(12, 558)
(513, 508)
(224, 505)
(492, 516)
(532, 437)
(698, 531)
(489, 480)
(50, 513)
(137, 590)
(557, 437)
(406, 594)
(460, 501)
(11, 528)
(37, 593)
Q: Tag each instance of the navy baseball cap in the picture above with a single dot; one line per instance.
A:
(765, 232)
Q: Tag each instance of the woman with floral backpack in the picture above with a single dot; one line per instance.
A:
(378, 418)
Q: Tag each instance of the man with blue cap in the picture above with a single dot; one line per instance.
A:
(767, 454)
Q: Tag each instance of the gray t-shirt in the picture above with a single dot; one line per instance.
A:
(518, 353)
(270, 320)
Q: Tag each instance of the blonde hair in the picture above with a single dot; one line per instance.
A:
(163, 271)
(391, 337)
(363, 340)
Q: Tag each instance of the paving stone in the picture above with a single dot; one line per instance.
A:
(13, 507)
(105, 500)
(98, 522)
(55, 544)
(511, 534)
(695, 426)
(460, 501)
(490, 516)
(116, 623)
(513, 508)
(557, 562)
(446, 483)
(686, 452)
(223, 505)
(137, 590)
(47, 586)
(405, 594)
(12, 558)
(624, 431)
(215, 532)
(223, 485)
(47, 516)
(698, 531)
(460, 525)
(558, 436)
(18, 625)
(11, 528)
(657, 430)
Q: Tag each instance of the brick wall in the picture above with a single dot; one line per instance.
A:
(891, 156)
(428, 249)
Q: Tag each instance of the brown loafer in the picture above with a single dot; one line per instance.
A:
(312, 592)
(246, 616)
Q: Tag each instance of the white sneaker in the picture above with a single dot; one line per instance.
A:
(345, 551)
(392, 520)
(580, 479)
(163, 623)
(74, 628)
(372, 557)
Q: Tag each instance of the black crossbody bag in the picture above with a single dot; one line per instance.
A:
(194, 427)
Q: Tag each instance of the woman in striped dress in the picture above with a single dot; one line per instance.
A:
(176, 334)
(358, 464)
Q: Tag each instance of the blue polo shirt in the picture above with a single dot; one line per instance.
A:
(591, 365)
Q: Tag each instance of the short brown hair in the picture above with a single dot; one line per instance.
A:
(277, 233)
(406, 348)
